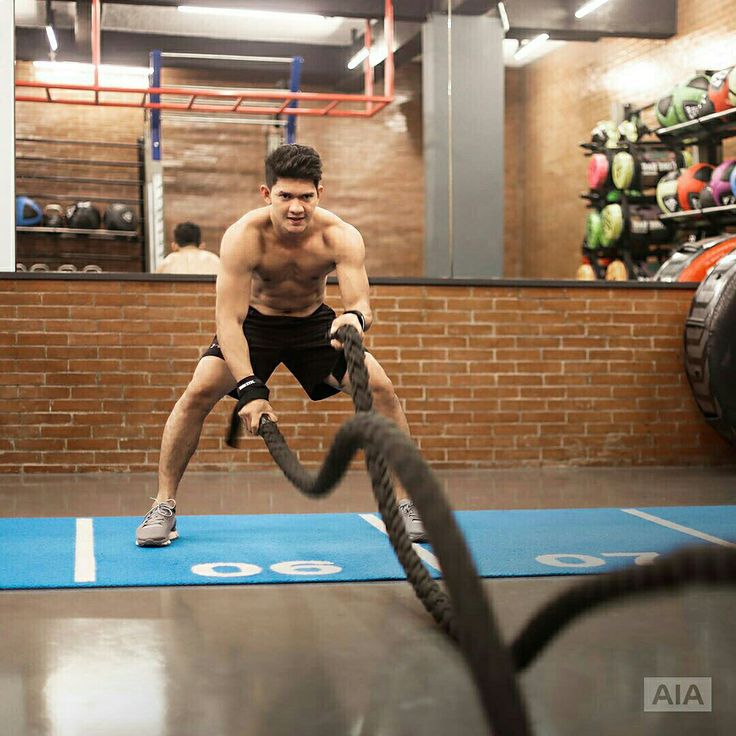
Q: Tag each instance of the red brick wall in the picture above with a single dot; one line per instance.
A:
(489, 376)
(566, 92)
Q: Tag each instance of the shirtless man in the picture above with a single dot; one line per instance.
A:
(270, 309)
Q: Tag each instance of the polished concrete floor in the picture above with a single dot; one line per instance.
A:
(345, 659)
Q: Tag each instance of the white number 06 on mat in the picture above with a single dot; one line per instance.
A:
(244, 569)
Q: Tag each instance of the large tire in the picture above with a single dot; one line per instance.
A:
(710, 347)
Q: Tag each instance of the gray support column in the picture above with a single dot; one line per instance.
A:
(7, 136)
(464, 177)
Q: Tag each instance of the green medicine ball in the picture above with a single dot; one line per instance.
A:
(688, 97)
(612, 224)
(667, 193)
(628, 130)
(666, 114)
(593, 231)
(624, 168)
(605, 133)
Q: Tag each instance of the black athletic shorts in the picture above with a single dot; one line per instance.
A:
(300, 343)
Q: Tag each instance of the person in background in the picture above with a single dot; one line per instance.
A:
(188, 253)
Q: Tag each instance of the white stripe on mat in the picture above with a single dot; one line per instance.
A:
(678, 527)
(85, 568)
(423, 553)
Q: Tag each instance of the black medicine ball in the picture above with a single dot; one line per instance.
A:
(84, 216)
(53, 216)
(120, 217)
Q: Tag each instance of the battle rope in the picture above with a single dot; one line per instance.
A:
(699, 565)
(469, 619)
(467, 616)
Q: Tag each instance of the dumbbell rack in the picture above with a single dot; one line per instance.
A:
(112, 250)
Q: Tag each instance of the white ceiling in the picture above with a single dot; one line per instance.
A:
(282, 27)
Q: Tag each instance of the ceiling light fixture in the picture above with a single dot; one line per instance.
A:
(535, 43)
(356, 59)
(248, 13)
(50, 33)
(589, 7)
(53, 43)
(504, 17)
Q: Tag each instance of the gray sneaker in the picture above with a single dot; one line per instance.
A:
(159, 526)
(412, 521)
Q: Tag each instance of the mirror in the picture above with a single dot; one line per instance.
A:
(428, 180)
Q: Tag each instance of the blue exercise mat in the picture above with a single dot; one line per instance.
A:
(298, 548)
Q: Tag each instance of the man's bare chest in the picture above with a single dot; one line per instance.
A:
(308, 262)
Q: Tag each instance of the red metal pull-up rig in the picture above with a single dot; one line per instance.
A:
(202, 100)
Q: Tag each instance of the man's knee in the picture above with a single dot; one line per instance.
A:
(200, 397)
(382, 388)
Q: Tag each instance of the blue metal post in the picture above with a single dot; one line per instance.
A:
(294, 84)
(155, 117)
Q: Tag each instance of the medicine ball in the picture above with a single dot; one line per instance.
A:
(688, 97)
(629, 130)
(706, 198)
(599, 170)
(717, 98)
(616, 271)
(720, 183)
(593, 231)
(667, 193)
(691, 182)
(585, 272)
(83, 216)
(731, 84)
(120, 217)
(27, 212)
(666, 114)
(53, 216)
(645, 168)
(710, 347)
(605, 134)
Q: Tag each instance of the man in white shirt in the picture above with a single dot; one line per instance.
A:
(188, 253)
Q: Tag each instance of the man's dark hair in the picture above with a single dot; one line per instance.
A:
(293, 161)
(187, 233)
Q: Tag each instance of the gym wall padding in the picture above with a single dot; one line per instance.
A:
(490, 376)
(564, 94)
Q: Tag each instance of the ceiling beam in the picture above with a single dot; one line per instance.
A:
(622, 18)
(408, 10)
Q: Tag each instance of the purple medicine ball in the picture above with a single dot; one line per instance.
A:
(721, 183)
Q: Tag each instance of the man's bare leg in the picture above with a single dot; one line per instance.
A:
(210, 382)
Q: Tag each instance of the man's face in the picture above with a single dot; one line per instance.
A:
(293, 202)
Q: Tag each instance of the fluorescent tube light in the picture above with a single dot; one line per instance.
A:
(53, 43)
(504, 17)
(589, 7)
(358, 58)
(535, 43)
(248, 13)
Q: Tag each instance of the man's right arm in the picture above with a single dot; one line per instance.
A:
(238, 258)
(239, 255)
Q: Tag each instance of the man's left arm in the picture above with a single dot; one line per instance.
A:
(352, 281)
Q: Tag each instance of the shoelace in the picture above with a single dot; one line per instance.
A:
(158, 513)
(408, 509)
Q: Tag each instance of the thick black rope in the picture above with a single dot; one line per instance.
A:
(467, 616)
(693, 565)
(468, 620)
